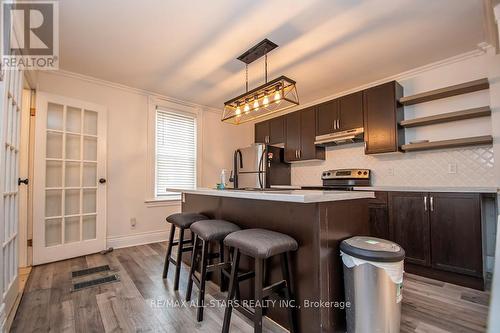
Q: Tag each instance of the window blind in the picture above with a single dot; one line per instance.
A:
(175, 152)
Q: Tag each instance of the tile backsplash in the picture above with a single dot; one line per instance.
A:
(451, 167)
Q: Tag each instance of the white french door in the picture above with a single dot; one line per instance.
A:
(69, 218)
(10, 121)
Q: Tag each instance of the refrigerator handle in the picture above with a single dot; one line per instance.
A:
(261, 168)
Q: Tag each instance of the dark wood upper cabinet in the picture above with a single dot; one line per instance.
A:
(340, 114)
(261, 132)
(292, 139)
(456, 232)
(326, 115)
(271, 131)
(277, 130)
(382, 114)
(409, 224)
(308, 150)
(350, 111)
(300, 130)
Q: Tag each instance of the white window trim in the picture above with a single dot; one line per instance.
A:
(154, 103)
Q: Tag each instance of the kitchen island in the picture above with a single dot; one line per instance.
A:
(318, 220)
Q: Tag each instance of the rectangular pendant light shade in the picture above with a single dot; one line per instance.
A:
(273, 96)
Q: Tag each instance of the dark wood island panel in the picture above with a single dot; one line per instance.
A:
(316, 266)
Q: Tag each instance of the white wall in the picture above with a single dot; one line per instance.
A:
(475, 166)
(127, 154)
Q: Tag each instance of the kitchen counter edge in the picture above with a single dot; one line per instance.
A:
(298, 196)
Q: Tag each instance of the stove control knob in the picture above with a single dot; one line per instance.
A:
(359, 172)
(365, 173)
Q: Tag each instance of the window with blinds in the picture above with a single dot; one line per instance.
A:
(175, 152)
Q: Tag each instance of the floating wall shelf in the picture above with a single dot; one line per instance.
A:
(463, 142)
(483, 111)
(458, 89)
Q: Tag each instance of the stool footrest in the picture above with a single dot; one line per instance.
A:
(246, 276)
(246, 311)
(273, 288)
(176, 242)
(215, 267)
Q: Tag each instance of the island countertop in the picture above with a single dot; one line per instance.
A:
(299, 196)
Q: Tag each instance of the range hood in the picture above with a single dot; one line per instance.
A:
(337, 138)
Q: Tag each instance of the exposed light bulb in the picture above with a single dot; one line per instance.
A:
(256, 104)
(265, 101)
(246, 108)
(238, 111)
(277, 96)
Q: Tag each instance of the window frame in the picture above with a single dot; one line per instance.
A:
(153, 104)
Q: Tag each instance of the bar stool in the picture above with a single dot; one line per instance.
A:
(208, 231)
(260, 244)
(181, 221)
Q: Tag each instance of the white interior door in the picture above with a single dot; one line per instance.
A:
(69, 218)
(10, 114)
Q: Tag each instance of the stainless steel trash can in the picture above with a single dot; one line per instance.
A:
(373, 279)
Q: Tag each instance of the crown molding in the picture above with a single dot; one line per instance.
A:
(133, 90)
(481, 50)
(490, 23)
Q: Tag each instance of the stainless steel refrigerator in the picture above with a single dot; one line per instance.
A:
(259, 166)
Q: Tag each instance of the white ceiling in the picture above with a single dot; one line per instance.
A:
(187, 49)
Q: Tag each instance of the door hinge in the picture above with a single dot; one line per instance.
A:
(32, 112)
(30, 242)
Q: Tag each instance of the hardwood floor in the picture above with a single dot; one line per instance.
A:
(139, 301)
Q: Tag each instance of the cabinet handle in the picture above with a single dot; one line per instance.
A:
(296, 156)
(425, 203)
(432, 204)
(334, 124)
(300, 154)
(338, 123)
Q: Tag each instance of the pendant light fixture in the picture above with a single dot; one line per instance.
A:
(273, 96)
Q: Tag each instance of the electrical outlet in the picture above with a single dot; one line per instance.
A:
(390, 171)
(452, 168)
(133, 222)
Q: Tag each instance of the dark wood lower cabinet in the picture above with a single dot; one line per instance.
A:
(456, 237)
(379, 216)
(409, 222)
(440, 232)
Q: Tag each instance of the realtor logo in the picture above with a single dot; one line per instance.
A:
(30, 35)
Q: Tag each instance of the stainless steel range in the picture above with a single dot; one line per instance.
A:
(343, 179)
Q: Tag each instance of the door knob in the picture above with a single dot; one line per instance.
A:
(102, 180)
(22, 181)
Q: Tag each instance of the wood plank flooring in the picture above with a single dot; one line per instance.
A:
(142, 302)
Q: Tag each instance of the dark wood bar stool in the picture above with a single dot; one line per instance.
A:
(208, 231)
(260, 244)
(181, 221)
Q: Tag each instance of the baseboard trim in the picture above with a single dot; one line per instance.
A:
(449, 277)
(117, 242)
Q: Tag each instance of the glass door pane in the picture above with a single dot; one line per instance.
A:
(71, 139)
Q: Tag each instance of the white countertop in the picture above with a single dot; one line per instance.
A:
(428, 189)
(300, 196)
